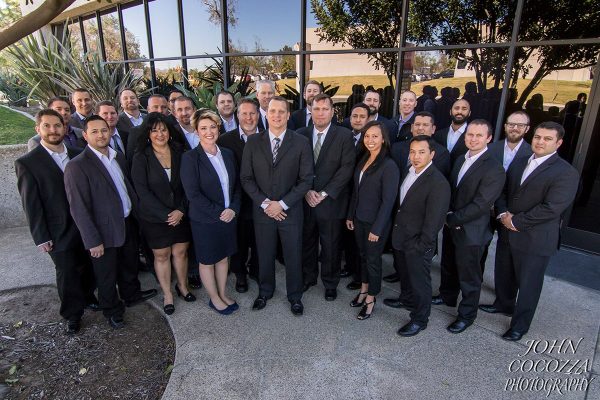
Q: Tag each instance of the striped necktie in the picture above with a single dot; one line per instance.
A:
(317, 148)
(275, 149)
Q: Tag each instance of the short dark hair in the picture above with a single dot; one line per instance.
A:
(79, 90)
(174, 91)
(553, 126)
(224, 93)
(185, 98)
(47, 112)
(125, 89)
(54, 99)
(372, 91)
(484, 122)
(105, 103)
(361, 105)
(313, 82)
(91, 118)
(282, 99)
(323, 96)
(426, 114)
(423, 138)
(247, 100)
(152, 120)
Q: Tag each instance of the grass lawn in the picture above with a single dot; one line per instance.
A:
(14, 127)
(554, 91)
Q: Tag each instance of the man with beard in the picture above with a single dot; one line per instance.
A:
(454, 136)
(84, 107)
(235, 140)
(265, 90)
(302, 118)
(184, 109)
(372, 99)
(131, 115)
(505, 152)
(73, 136)
(408, 102)
(226, 111)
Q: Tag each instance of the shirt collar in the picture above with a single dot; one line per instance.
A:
(111, 153)
(474, 158)
(131, 116)
(516, 147)
(271, 136)
(62, 154)
(405, 120)
(184, 131)
(218, 154)
(539, 160)
(412, 170)
(460, 130)
(324, 131)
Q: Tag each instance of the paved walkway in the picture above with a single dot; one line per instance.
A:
(329, 354)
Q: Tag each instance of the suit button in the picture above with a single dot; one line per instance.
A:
(395, 224)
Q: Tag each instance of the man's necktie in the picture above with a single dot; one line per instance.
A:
(275, 149)
(317, 148)
(115, 144)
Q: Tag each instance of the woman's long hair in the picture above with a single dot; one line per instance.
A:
(385, 146)
(152, 120)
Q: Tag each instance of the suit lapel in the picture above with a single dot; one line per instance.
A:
(47, 161)
(286, 144)
(98, 164)
(456, 170)
(229, 166)
(175, 165)
(417, 183)
(329, 138)
(474, 167)
(209, 167)
(545, 165)
(265, 145)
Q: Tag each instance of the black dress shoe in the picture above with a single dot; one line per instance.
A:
(169, 309)
(194, 282)
(297, 307)
(241, 283)
(188, 297)
(143, 296)
(330, 294)
(73, 326)
(490, 308)
(93, 307)
(397, 303)
(307, 286)
(411, 329)
(345, 273)
(438, 301)
(354, 285)
(459, 326)
(392, 278)
(512, 335)
(116, 322)
(259, 303)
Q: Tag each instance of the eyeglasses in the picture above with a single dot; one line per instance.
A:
(515, 125)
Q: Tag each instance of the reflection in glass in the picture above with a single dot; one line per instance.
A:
(202, 27)
(90, 29)
(75, 37)
(165, 28)
(253, 18)
(168, 71)
(135, 30)
(112, 36)
(197, 70)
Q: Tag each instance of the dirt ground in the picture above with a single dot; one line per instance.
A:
(39, 361)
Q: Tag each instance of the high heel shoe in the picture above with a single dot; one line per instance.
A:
(356, 303)
(363, 311)
(188, 297)
(169, 309)
(226, 311)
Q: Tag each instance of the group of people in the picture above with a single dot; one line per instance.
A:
(251, 184)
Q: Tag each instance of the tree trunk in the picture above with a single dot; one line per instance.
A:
(537, 78)
(32, 21)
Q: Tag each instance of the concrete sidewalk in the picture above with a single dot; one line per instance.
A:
(329, 354)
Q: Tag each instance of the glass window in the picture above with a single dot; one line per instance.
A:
(75, 37)
(90, 29)
(198, 69)
(164, 23)
(250, 19)
(135, 30)
(202, 27)
(112, 35)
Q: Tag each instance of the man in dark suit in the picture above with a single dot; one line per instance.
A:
(40, 183)
(277, 171)
(84, 107)
(156, 103)
(173, 94)
(235, 140)
(424, 124)
(118, 137)
(302, 118)
(476, 182)
(505, 152)
(408, 102)
(453, 138)
(265, 90)
(184, 109)
(372, 98)
(101, 200)
(131, 116)
(423, 202)
(538, 190)
(73, 136)
(225, 103)
(326, 203)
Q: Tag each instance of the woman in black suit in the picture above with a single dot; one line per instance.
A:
(163, 205)
(376, 180)
(212, 185)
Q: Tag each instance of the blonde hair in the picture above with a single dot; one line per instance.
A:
(205, 113)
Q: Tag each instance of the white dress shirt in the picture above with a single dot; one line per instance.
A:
(469, 161)
(135, 121)
(402, 121)
(454, 135)
(229, 125)
(219, 165)
(308, 117)
(114, 170)
(191, 137)
(315, 133)
(356, 136)
(61, 159)
(509, 154)
(272, 141)
(410, 179)
(532, 164)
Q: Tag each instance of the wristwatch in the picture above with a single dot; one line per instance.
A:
(323, 194)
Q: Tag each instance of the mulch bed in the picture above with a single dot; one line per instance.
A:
(38, 360)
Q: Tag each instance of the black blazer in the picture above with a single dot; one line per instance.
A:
(401, 150)
(459, 149)
(124, 123)
(261, 126)
(472, 199)
(76, 122)
(298, 120)
(124, 135)
(288, 179)
(333, 170)
(373, 199)
(222, 127)
(422, 213)
(496, 150)
(94, 200)
(40, 183)
(203, 186)
(232, 141)
(157, 195)
(404, 133)
(538, 204)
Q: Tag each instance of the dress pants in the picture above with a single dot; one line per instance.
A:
(327, 232)
(494, 226)
(290, 233)
(416, 268)
(118, 266)
(402, 267)
(246, 241)
(74, 281)
(351, 254)
(370, 255)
